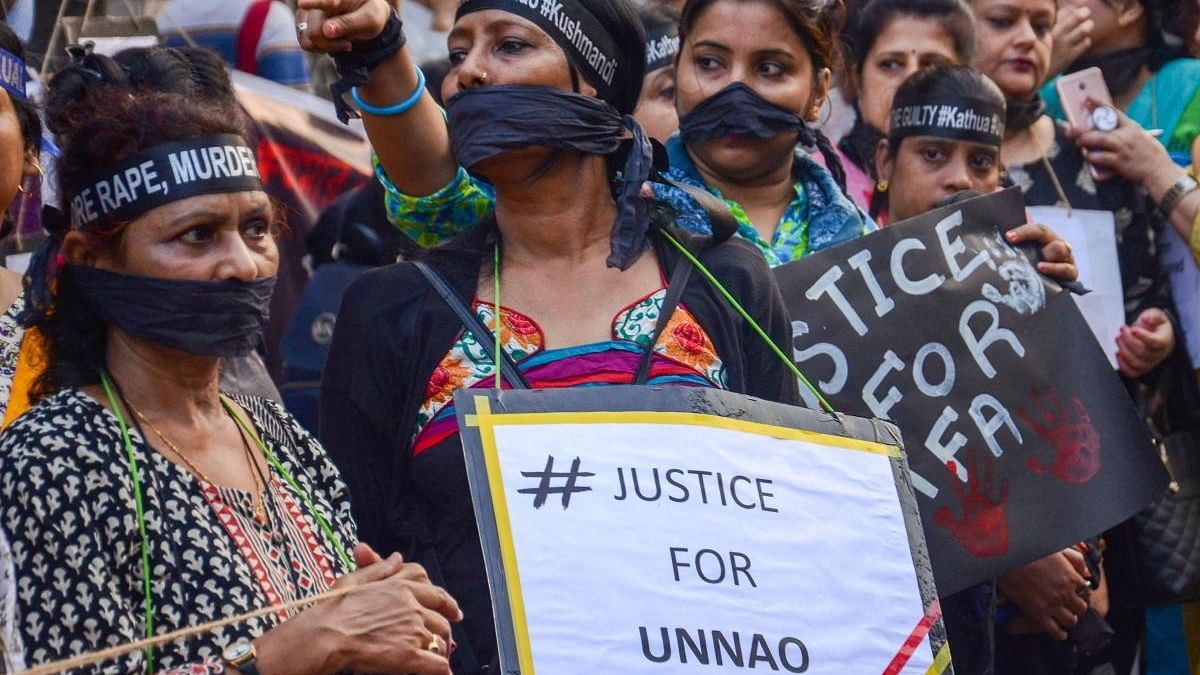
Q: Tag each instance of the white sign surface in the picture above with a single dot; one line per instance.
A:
(1093, 237)
(675, 543)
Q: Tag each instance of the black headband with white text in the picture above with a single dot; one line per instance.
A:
(586, 41)
(164, 174)
(662, 44)
(961, 118)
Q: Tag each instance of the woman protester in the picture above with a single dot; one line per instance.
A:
(886, 41)
(751, 78)
(138, 499)
(1015, 43)
(795, 205)
(20, 139)
(595, 290)
(926, 166)
(1151, 78)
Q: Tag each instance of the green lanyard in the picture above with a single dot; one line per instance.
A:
(737, 306)
(139, 503)
(748, 319)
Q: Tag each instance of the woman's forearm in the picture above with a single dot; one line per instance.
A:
(414, 146)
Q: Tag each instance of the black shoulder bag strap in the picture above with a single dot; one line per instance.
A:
(471, 322)
(675, 288)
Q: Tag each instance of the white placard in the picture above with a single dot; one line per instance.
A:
(1175, 256)
(756, 547)
(1093, 237)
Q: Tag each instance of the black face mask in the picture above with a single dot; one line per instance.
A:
(208, 318)
(487, 121)
(738, 110)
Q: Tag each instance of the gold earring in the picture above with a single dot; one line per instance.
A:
(881, 186)
(22, 189)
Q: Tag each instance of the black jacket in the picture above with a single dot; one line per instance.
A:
(392, 331)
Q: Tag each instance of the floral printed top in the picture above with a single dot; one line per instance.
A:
(683, 355)
(70, 517)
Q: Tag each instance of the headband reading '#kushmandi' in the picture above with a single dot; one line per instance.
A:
(961, 118)
(576, 30)
(164, 174)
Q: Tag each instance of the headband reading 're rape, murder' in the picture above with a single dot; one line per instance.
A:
(12, 74)
(573, 27)
(164, 174)
(966, 119)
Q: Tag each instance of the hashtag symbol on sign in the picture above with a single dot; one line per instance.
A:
(566, 487)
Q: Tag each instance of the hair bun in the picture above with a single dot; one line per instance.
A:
(71, 90)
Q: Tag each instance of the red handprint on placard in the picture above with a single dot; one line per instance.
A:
(982, 529)
(1075, 441)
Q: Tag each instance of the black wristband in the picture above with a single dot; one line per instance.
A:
(354, 66)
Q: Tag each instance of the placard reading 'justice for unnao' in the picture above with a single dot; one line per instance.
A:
(1020, 437)
(677, 530)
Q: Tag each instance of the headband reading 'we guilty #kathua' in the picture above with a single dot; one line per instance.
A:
(959, 118)
(164, 174)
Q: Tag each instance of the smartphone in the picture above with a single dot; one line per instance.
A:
(1080, 93)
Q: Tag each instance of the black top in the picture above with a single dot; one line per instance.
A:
(1144, 281)
(392, 331)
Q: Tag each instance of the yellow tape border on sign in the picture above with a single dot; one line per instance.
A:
(940, 661)
(486, 421)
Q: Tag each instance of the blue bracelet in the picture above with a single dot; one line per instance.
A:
(392, 110)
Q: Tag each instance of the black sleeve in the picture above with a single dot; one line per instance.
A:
(353, 427)
(742, 268)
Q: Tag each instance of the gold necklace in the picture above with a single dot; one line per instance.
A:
(260, 509)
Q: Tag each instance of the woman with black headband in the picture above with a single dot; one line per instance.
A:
(20, 142)
(138, 499)
(886, 41)
(929, 161)
(575, 279)
(751, 78)
(656, 108)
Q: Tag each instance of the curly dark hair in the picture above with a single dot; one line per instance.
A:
(102, 112)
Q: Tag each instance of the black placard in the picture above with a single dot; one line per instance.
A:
(1021, 438)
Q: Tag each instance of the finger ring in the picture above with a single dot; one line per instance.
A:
(301, 27)
(435, 646)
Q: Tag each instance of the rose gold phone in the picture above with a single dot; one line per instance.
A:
(1080, 93)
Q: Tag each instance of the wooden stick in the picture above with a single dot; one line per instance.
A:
(92, 658)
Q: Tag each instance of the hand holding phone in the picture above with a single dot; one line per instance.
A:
(1088, 105)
